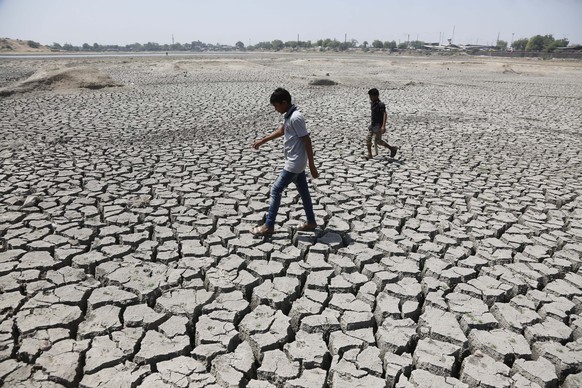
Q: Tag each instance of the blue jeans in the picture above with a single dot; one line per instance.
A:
(284, 179)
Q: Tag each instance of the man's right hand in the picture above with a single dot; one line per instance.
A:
(314, 172)
(257, 144)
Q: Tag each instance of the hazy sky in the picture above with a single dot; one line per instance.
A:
(228, 21)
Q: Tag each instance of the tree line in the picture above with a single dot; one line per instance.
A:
(536, 43)
(274, 45)
(545, 43)
(137, 47)
(332, 44)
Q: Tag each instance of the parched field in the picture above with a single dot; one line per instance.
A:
(126, 258)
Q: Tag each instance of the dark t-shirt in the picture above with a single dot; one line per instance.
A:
(378, 109)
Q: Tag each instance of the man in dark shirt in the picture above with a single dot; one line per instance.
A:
(378, 124)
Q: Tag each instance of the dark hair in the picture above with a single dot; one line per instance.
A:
(280, 95)
(374, 92)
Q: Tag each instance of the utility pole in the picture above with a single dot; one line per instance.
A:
(511, 44)
(172, 39)
(346, 38)
(453, 37)
(497, 41)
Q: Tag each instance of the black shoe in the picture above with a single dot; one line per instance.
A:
(393, 151)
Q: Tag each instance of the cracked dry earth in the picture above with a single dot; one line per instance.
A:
(126, 261)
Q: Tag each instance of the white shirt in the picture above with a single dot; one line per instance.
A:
(295, 130)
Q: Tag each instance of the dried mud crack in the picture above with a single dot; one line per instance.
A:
(126, 257)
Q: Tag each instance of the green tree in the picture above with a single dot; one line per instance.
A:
(519, 44)
(390, 45)
(264, 45)
(330, 44)
(334, 44)
(365, 44)
(240, 45)
(86, 46)
(152, 46)
(96, 47)
(57, 46)
(277, 44)
(557, 43)
(198, 45)
(501, 45)
(377, 44)
(33, 44)
(417, 44)
(348, 45)
(68, 47)
(291, 43)
(538, 42)
(134, 47)
(403, 45)
(177, 47)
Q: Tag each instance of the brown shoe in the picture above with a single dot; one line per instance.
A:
(262, 230)
(393, 151)
(305, 227)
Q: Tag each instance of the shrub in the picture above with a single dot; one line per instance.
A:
(322, 82)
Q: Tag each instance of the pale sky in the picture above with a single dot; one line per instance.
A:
(228, 21)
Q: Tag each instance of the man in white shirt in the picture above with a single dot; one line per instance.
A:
(298, 155)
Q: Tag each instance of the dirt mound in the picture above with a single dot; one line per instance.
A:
(509, 70)
(62, 79)
(8, 45)
(211, 64)
(322, 82)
